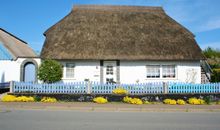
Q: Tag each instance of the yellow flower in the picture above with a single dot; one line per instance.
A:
(147, 102)
(201, 101)
(8, 98)
(170, 101)
(120, 91)
(195, 101)
(100, 100)
(181, 102)
(48, 99)
(12, 98)
(24, 99)
(132, 100)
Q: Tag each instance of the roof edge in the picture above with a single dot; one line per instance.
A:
(13, 36)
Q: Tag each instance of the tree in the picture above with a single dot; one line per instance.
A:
(213, 58)
(211, 53)
(216, 75)
(50, 71)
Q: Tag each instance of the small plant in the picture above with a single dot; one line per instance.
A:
(169, 101)
(208, 99)
(120, 91)
(37, 98)
(24, 99)
(9, 98)
(130, 100)
(195, 101)
(180, 102)
(100, 100)
(12, 98)
(48, 99)
(147, 102)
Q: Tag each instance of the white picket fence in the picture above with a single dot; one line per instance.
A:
(97, 88)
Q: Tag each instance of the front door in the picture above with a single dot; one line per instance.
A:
(109, 70)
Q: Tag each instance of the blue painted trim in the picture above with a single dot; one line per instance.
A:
(4, 53)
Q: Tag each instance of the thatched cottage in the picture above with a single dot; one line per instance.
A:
(18, 62)
(123, 44)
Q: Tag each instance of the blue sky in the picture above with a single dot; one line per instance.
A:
(29, 19)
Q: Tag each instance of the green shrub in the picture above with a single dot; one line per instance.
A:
(216, 75)
(208, 99)
(37, 98)
(50, 71)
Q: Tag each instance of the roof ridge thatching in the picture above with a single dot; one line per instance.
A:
(119, 33)
(117, 8)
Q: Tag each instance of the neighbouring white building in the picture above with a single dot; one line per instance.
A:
(124, 44)
(18, 62)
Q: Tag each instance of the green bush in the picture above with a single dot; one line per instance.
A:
(50, 71)
(211, 52)
(37, 98)
(216, 75)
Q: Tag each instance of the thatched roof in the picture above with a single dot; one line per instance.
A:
(119, 33)
(16, 46)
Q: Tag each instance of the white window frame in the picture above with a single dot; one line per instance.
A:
(161, 71)
(73, 71)
(167, 73)
(153, 76)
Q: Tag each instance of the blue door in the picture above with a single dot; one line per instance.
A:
(29, 72)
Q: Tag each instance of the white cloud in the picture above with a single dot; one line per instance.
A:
(212, 45)
(209, 25)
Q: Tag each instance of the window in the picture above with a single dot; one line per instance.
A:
(153, 71)
(168, 71)
(70, 70)
(109, 70)
(109, 80)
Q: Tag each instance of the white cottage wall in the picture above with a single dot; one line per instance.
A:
(83, 70)
(135, 71)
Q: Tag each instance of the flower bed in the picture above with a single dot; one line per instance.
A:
(101, 100)
(12, 98)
